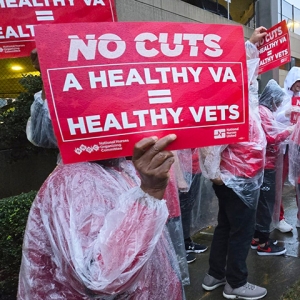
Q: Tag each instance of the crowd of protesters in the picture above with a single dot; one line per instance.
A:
(121, 228)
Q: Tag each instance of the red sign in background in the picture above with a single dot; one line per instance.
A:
(110, 84)
(274, 49)
(18, 20)
(295, 112)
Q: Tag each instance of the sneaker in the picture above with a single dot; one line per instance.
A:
(255, 243)
(270, 249)
(284, 227)
(210, 283)
(298, 223)
(196, 248)
(247, 291)
(190, 257)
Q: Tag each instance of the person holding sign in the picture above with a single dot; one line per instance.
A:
(97, 230)
(236, 171)
(40, 133)
(291, 88)
(276, 133)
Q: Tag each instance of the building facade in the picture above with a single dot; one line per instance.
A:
(248, 13)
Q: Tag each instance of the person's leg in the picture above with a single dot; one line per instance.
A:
(242, 223)
(285, 172)
(298, 204)
(265, 206)
(186, 208)
(264, 215)
(187, 201)
(232, 238)
(219, 245)
(282, 225)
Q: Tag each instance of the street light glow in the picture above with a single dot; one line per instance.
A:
(16, 68)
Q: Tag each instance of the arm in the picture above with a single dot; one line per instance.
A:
(39, 128)
(274, 131)
(257, 35)
(210, 159)
(183, 169)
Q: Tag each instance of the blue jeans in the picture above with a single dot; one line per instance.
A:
(232, 237)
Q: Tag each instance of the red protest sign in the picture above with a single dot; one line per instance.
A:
(295, 112)
(274, 49)
(110, 84)
(19, 17)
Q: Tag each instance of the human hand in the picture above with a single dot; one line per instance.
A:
(258, 34)
(182, 186)
(217, 181)
(153, 164)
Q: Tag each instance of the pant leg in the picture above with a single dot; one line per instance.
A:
(265, 206)
(232, 237)
(285, 172)
(187, 201)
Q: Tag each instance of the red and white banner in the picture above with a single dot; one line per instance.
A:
(109, 85)
(295, 112)
(274, 49)
(19, 17)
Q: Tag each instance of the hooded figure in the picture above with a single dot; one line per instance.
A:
(291, 88)
(271, 189)
(292, 85)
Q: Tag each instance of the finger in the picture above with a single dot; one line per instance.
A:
(159, 146)
(159, 159)
(164, 168)
(261, 29)
(142, 146)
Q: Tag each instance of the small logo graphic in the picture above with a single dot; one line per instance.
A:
(1, 49)
(219, 134)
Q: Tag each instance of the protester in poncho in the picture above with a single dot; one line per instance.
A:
(236, 171)
(98, 231)
(276, 133)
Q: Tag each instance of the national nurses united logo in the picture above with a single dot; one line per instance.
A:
(219, 134)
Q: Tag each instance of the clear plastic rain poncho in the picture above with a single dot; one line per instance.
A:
(276, 134)
(188, 175)
(39, 128)
(281, 114)
(174, 225)
(92, 233)
(294, 162)
(240, 165)
(40, 132)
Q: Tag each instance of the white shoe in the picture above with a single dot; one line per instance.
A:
(283, 226)
(298, 223)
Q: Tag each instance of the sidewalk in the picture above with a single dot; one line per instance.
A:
(276, 274)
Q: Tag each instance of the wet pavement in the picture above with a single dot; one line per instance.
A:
(275, 273)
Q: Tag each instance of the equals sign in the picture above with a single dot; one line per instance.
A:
(44, 15)
(269, 53)
(159, 96)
